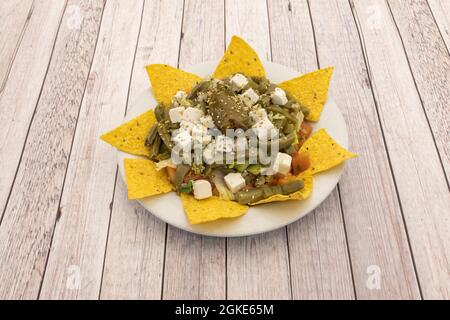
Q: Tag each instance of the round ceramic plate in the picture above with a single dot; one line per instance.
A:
(260, 218)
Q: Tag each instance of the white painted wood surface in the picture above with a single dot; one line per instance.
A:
(28, 223)
(373, 216)
(422, 189)
(81, 230)
(441, 13)
(430, 63)
(68, 231)
(32, 58)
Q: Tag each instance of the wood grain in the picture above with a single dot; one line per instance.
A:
(320, 266)
(14, 18)
(136, 243)
(257, 266)
(32, 58)
(420, 180)
(82, 227)
(376, 235)
(195, 265)
(28, 223)
(429, 60)
(441, 13)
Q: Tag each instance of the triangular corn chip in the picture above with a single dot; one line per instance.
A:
(167, 81)
(298, 195)
(143, 180)
(239, 58)
(130, 136)
(214, 208)
(324, 152)
(310, 90)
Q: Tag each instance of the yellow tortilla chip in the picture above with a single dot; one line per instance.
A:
(130, 136)
(143, 180)
(214, 208)
(239, 58)
(298, 195)
(310, 90)
(324, 152)
(166, 81)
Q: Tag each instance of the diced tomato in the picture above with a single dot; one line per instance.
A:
(304, 133)
(305, 130)
(300, 162)
(171, 173)
(276, 178)
(193, 176)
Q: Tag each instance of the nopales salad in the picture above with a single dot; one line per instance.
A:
(237, 138)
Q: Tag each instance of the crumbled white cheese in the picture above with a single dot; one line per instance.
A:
(202, 189)
(186, 126)
(250, 97)
(209, 153)
(200, 134)
(180, 95)
(238, 81)
(224, 144)
(279, 97)
(207, 121)
(192, 115)
(282, 163)
(176, 114)
(234, 182)
(182, 139)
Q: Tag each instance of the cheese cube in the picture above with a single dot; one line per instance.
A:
(182, 139)
(176, 114)
(282, 163)
(238, 81)
(265, 130)
(250, 97)
(258, 114)
(234, 182)
(202, 189)
(192, 114)
(279, 97)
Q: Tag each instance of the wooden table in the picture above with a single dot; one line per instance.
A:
(68, 71)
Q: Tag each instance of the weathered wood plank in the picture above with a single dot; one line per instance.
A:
(430, 63)
(28, 223)
(32, 58)
(417, 169)
(82, 227)
(257, 266)
(14, 18)
(195, 265)
(441, 13)
(320, 266)
(135, 251)
(376, 235)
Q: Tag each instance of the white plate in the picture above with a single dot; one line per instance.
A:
(261, 218)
